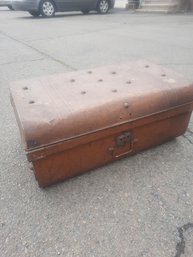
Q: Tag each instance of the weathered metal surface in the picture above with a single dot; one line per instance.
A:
(74, 122)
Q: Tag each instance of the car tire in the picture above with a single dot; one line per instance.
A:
(10, 7)
(85, 11)
(47, 8)
(34, 13)
(103, 6)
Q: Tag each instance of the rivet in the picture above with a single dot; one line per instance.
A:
(114, 90)
(72, 80)
(89, 72)
(146, 66)
(83, 92)
(126, 105)
(113, 72)
(100, 80)
(25, 88)
(128, 82)
(163, 75)
(31, 102)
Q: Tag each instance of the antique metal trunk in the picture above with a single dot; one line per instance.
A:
(72, 123)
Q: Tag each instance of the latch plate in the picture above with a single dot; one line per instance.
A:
(123, 139)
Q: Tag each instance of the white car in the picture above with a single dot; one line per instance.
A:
(7, 3)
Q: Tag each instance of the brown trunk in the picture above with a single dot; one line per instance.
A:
(72, 123)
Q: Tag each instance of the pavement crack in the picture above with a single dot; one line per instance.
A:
(39, 51)
(180, 247)
(188, 139)
(33, 60)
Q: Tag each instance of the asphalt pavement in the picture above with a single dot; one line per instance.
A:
(141, 206)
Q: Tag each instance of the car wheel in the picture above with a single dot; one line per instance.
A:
(35, 13)
(47, 8)
(85, 11)
(10, 7)
(103, 6)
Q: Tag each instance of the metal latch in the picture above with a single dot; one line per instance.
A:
(123, 139)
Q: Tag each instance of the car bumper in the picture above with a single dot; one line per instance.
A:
(25, 5)
(112, 3)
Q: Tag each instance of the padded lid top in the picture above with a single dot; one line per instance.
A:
(59, 107)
